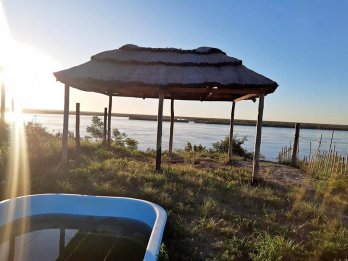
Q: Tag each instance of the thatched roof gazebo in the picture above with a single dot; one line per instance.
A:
(204, 74)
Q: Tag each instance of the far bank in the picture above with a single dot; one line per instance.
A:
(222, 121)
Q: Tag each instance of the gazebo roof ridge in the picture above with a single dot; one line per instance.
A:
(133, 54)
(200, 50)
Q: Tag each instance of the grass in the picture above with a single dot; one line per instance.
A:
(213, 212)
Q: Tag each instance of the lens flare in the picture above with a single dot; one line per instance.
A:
(18, 176)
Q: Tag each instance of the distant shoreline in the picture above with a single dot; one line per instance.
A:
(274, 124)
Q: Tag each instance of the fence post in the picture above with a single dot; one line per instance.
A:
(109, 120)
(295, 147)
(105, 127)
(77, 126)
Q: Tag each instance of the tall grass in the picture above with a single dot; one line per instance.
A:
(213, 213)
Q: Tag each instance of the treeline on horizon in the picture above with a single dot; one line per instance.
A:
(274, 124)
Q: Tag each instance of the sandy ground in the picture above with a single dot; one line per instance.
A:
(282, 175)
(278, 174)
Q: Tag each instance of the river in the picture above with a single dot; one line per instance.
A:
(273, 139)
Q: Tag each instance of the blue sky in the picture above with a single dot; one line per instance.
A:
(300, 44)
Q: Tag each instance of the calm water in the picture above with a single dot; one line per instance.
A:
(273, 139)
(68, 237)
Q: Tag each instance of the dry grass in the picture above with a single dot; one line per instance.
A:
(213, 212)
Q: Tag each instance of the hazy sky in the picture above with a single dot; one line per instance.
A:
(302, 45)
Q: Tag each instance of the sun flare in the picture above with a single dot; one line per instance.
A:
(26, 72)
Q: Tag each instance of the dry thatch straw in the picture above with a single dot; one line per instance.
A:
(202, 74)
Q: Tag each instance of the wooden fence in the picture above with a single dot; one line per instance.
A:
(285, 155)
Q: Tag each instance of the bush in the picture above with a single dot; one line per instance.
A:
(188, 146)
(96, 130)
(122, 140)
(119, 137)
(41, 144)
(4, 134)
(131, 144)
(237, 149)
(195, 148)
(4, 144)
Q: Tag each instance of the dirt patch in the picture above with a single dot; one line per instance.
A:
(270, 172)
(281, 174)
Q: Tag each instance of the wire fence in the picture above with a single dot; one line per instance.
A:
(327, 162)
(319, 160)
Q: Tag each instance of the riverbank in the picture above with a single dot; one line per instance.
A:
(213, 212)
(274, 124)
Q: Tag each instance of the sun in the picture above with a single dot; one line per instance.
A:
(26, 72)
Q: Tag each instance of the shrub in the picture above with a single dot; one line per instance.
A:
(131, 143)
(119, 137)
(195, 148)
(221, 146)
(188, 146)
(123, 141)
(96, 130)
(4, 133)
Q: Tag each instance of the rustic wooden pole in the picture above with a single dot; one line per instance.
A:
(296, 146)
(105, 124)
(256, 159)
(109, 120)
(230, 141)
(318, 151)
(332, 135)
(65, 124)
(159, 130)
(3, 101)
(77, 127)
(171, 127)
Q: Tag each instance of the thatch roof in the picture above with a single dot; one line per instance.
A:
(204, 73)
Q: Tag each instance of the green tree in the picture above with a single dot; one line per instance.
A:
(131, 143)
(119, 137)
(96, 130)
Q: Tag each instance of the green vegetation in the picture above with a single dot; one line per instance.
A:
(221, 148)
(213, 212)
(120, 139)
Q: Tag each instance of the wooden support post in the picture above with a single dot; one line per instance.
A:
(105, 124)
(296, 146)
(109, 120)
(256, 158)
(65, 124)
(159, 130)
(3, 101)
(77, 127)
(171, 127)
(230, 141)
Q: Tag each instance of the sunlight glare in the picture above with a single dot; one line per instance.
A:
(14, 70)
